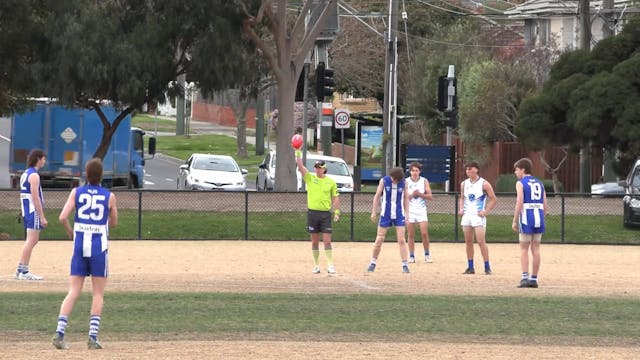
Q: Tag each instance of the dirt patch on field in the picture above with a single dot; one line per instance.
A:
(268, 266)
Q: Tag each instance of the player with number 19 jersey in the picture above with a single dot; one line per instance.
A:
(91, 231)
(532, 214)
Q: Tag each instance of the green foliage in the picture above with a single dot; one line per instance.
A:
(21, 44)
(488, 97)
(432, 60)
(591, 97)
(548, 186)
(506, 183)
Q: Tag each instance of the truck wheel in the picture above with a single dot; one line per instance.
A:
(133, 182)
(14, 182)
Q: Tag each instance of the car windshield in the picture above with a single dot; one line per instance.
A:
(333, 167)
(635, 182)
(214, 164)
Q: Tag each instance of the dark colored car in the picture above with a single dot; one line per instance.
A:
(631, 200)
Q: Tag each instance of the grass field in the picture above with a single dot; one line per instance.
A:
(252, 299)
(358, 316)
(269, 225)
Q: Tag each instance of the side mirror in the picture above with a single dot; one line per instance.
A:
(152, 146)
(623, 183)
(184, 167)
(244, 171)
(263, 166)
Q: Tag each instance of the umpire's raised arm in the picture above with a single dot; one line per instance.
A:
(303, 170)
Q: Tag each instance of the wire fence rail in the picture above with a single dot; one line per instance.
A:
(191, 215)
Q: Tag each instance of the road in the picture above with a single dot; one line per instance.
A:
(161, 173)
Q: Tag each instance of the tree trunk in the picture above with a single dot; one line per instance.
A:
(241, 128)
(108, 129)
(286, 179)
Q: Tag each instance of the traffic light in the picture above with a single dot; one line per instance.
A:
(300, 87)
(324, 82)
(444, 94)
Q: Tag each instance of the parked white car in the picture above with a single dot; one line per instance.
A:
(337, 169)
(211, 172)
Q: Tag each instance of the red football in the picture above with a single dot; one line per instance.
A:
(296, 141)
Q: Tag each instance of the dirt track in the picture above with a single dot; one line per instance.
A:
(253, 266)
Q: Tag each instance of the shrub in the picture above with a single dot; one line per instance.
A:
(506, 183)
(548, 186)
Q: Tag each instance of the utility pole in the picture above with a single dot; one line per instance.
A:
(585, 43)
(607, 31)
(180, 102)
(389, 119)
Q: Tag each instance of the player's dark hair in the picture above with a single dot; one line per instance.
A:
(524, 164)
(396, 174)
(416, 165)
(93, 169)
(34, 156)
(472, 163)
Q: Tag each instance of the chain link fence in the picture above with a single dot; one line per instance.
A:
(190, 215)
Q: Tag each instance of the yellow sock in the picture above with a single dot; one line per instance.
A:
(329, 254)
(316, 256)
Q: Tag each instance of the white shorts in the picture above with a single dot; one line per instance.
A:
(529, 237)
(473, 220)
(417, 216)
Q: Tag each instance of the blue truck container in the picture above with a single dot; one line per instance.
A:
(70, 137)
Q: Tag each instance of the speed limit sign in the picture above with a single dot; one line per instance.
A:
(342, 118)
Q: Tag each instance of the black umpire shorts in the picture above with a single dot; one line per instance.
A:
(319, 221)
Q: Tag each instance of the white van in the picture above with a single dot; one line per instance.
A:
(337, 169)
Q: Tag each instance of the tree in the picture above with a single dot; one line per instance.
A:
(284, 44)
(591, 97)
(454, 46)
(126, 53)
(21, 39)
(488, 101)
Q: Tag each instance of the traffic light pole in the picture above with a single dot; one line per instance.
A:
(451, 92)
(325, 131)
(390, 92)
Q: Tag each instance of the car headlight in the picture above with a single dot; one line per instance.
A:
(634, 203)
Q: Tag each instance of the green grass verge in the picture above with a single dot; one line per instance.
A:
(151, 123)
(170, 224)
(182, 147)
(381, 316)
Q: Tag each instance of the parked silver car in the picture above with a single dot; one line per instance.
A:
(211, 172)
(266, 179)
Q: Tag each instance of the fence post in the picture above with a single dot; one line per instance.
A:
(139, 215)
(246, 215)
(562, 218)
(352, 221)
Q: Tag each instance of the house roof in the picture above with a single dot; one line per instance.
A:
(547, 8)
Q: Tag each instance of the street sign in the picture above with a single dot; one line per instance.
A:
(342, 119)
(327, 114)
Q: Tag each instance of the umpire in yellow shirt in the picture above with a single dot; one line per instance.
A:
(322, 195)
